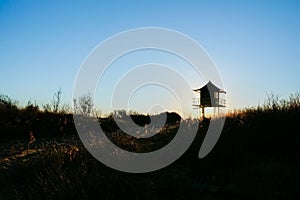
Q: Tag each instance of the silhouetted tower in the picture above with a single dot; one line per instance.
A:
(209, 96)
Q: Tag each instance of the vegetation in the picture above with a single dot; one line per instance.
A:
(256, 157)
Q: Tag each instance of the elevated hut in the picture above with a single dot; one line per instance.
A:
(209, 96)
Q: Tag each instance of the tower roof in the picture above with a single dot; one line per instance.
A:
(210, 87)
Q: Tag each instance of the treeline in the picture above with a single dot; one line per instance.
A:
(53, 120)
(17, 122)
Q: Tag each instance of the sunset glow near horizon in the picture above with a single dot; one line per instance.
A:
(255, 46)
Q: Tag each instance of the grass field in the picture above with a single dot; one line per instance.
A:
(256, 157)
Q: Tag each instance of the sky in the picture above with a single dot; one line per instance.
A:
(254, 44)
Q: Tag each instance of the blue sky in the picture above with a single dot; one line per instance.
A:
(255, 44)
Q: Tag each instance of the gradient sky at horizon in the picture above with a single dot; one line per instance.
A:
(255, 44)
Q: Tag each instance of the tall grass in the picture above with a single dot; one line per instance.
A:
(256, 157)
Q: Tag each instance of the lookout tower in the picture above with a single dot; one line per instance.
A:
(209, 96)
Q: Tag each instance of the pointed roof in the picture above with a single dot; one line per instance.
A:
(210, 87)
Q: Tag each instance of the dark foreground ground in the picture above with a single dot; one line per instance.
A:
(244, 165)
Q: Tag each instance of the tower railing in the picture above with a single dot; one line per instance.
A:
(216, 102)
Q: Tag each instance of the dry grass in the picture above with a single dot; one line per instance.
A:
(256, 157)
